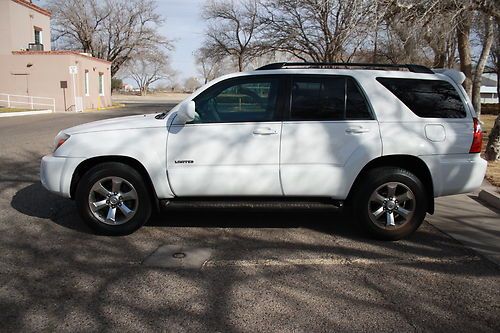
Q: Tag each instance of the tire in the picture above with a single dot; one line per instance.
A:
(391, 204)
(112, 199)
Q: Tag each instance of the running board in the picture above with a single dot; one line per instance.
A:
(251, 203)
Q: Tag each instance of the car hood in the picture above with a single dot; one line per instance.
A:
(120, 123)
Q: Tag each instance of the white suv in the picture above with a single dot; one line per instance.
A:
(383, 139)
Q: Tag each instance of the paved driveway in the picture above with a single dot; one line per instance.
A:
(268, 271)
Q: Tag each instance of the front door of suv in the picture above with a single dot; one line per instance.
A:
(232, 147)
(328, 136)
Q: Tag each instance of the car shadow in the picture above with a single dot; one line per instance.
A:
(34, 200)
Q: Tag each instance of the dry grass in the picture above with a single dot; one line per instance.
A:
(493, 171)
(2, 109)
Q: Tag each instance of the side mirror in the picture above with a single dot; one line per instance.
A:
(187, 112)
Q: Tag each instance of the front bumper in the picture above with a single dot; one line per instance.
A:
(56, 173)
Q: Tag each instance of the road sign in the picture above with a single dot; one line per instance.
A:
(73, 70)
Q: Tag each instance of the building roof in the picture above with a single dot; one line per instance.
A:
(488, 90)
(59, 52)
(30, 5)
(486, 81)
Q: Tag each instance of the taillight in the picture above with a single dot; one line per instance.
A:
(477, 139)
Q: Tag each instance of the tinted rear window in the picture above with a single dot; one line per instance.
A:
(427, 98)
(327, 98)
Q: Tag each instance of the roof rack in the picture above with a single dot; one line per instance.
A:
(319, 65)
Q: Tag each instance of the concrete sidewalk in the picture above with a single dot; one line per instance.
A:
(466, 219)
(24, 113)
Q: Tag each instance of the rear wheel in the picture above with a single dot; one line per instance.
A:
(112, 199)
(391, 203)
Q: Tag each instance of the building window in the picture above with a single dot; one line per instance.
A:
(101, 84)
(38, 35)
(86, 82)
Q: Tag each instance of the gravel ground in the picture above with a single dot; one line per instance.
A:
(268, 271)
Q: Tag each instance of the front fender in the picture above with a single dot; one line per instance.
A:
(145, 145)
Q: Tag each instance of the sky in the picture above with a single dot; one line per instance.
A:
(185, 27)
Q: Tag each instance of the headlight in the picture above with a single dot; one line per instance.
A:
(60, 139)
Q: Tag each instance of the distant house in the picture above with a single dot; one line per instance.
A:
(32, 75)
(127, 87)
(489, 93)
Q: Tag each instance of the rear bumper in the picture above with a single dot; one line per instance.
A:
(454, 174)
(56, 173)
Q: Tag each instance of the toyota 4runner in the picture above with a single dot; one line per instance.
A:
(380, 140)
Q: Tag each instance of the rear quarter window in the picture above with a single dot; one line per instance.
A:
(427, 98)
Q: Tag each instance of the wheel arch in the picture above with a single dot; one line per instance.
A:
(410, 163)
(87, 164)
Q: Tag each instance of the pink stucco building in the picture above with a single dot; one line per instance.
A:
(28, 66)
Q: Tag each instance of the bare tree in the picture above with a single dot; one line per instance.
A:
(107, 29)
(147, 68)
(232, 30)
(495, 53)
(459, 16)
(172, 79)
(493, 146)
(419, 31)
(191, 84)
(329, 30)
(441, 40)
(210, 64)
(486, 44)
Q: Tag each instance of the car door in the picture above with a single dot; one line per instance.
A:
(329, 135)
(232, 147)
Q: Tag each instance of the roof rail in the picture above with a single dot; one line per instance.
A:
(281, 65)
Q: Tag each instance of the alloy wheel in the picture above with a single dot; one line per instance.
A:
(113, 200)
(391, 205)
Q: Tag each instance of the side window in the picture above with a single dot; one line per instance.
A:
(356, 106)
(241, 100)
(427, 98)
(327, 98)
(317, 99)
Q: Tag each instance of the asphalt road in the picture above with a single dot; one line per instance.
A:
(268, 271)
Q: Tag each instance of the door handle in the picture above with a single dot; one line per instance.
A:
(357, 130)
(264, 131)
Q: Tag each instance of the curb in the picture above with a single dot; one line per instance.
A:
(24, 113)
(116, 106)
(490, 197)
(161, 101)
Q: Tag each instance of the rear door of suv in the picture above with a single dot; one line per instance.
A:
(329, 133)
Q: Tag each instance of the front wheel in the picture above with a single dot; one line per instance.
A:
(112, 199)
(391, 204)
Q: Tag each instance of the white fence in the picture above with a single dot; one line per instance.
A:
(29, 102)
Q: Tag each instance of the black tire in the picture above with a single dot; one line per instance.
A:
(129, 179)
(365, 209)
